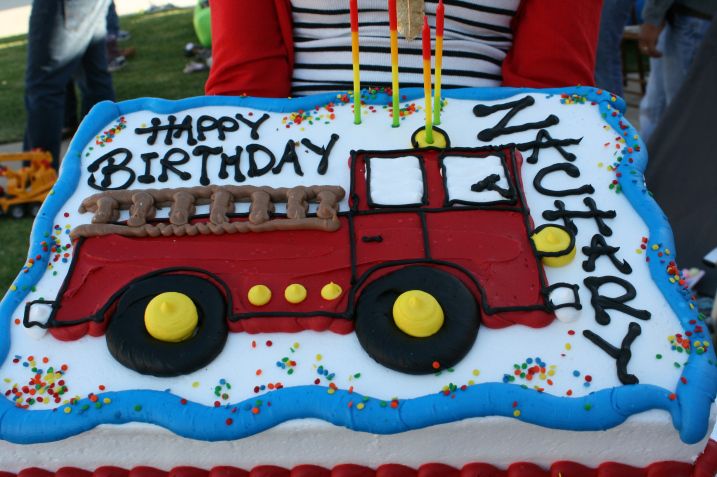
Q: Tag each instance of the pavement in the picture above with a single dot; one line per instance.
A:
(15, 14)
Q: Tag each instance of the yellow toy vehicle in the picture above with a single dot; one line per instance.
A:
(27, 186)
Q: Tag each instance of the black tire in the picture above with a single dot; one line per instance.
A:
(16, 211)
(34, 209)
(391, 347)
(130, 343)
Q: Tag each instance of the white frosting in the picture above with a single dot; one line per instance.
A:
(463, 172)
(642, 440)
(396, 181)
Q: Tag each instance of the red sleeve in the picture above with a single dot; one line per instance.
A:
(554, 44)
(252, 50)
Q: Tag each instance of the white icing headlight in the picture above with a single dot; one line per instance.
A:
(39, 313)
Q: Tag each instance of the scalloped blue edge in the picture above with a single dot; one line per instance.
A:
(598, 411)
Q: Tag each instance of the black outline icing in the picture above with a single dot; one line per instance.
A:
(512, 186)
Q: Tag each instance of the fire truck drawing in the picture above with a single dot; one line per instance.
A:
(434, 243)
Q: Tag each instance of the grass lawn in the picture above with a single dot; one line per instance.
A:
(14, 237)
(156, 70)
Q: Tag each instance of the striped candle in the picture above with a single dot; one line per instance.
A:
(427, 78)
(353, 7)
(440, 15)
(393, 27)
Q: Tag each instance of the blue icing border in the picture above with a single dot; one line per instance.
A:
(598, 411)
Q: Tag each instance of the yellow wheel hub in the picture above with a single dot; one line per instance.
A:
(418, 313)
(554, 240)
(171, 317)
(439, 139)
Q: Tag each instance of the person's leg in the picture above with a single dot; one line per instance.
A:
(113, 25)
(93, 79)
(46, 79)
(681, 44)
(608, 64)
(654, 102)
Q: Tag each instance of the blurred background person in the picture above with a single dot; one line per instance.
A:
(671, 35)
(66, 40)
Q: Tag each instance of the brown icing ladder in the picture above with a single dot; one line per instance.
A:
(143, 204)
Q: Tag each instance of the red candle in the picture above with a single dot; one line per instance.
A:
(426, 40)
(440, 14)
(353, 7)
(392, 16)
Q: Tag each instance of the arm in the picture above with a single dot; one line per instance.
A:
(252, 52)
(554, 44)
(653, 13)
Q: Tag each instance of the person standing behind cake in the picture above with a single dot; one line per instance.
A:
(671, 35)
(279, 48)
(66, 40)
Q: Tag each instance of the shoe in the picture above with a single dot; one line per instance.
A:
(116, 64)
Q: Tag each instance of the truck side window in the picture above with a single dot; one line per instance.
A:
(473, 180)
(395, 181)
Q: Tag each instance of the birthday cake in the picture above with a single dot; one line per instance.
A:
(237, 282)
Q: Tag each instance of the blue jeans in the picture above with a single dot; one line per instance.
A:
(65, 41)
(608, 63)
(678, 42)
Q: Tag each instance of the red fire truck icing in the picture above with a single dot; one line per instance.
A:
(475, 257)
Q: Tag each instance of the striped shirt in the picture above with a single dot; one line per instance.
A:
(477, 36)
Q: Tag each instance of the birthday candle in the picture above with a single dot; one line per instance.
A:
(427, 78)
(393, 26)
(353, 7)
(440, 14)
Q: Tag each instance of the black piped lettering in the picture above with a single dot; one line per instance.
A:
(222, 125)
(513, 107)
(254, 125)
(602, 303)
(172, 130)
(110, 169)
(599, 248)
(570, 170)
(289, 156)
(543, 140)
(170, 165)
(205, 152)
(147, 177)
(324, 152)
(254, 170)
(623, 354)
(232, 161)
(593, 213)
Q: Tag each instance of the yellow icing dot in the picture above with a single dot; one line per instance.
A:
(551, 239)
(195, 384)
(471, 382)
(568, 346)
(417, 313)
(330, 391)
(331, 291)
(551, 372)
(476, 372)
(171, 317)
(107, 400)
(360, 406)
(259, 295)
(516, 413)
(295, 293)
(296, 345)
(318, 357)
(67, 410)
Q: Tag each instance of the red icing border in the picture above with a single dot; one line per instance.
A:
(705, 466)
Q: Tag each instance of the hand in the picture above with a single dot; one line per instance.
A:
(649, 34)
